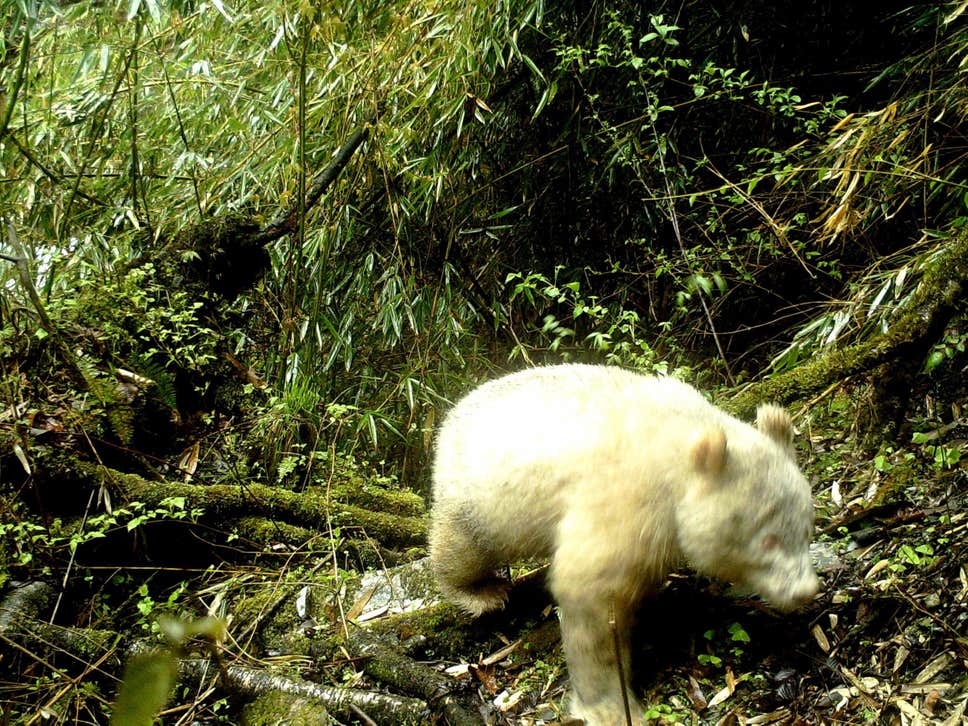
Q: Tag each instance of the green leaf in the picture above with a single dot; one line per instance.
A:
(145, 688)
(935, 358)
(738, 634)
(133, 7)
(907, 553)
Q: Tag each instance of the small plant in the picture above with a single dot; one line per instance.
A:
(709, 659)
(942, 457)
(576, 322)
(918, 556)
(889, 459)
(664, 713)
(951, 345)
(737, 636)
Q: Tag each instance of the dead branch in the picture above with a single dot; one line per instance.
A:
(285, 222)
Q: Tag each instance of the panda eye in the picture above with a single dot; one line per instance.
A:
(771, 542)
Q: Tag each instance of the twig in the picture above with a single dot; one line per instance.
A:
(621, 666)
(761, 210)
(70, 563)
(362, 716)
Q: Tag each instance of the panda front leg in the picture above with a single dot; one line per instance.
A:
(596, 600)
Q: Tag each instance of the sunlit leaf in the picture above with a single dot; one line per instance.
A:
(145, 688)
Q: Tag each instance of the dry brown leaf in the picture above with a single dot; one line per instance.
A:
(460, 671)
(931, 701)
(721, 696)
(373, 614)
(957, 715)
(780, 716)
(507, 701)
(188, 460)
(923, 688)
(486, 678)
(843, 122)
(21, 457)
(821, 639)
(909, 711)
(934, 668)
(899, 657)
(357, 608)
(696, 696)
(878, 566)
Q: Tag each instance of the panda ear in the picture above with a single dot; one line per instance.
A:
(775, 422)
(709, 452)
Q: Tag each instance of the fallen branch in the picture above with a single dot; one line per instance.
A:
(919, 326)
(221, 502)
(340, 702)
(24, 630)
(25, 602)
(390, 665)
(285, 222)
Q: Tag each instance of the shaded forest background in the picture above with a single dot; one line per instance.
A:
(251, 254)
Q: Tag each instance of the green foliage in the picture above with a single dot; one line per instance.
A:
(885, 462)
(170, 112)
(21, 539)
(144, 320)
(875, 299)
(404, 275)
(26, 542)
(661, 712)
(609, 332)
(737, 636)
(149, 678)
(950, 346)
(919, 556)
(145, 688)
(643, 149)
(942, 457)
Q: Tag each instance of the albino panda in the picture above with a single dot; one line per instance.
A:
(617, 477)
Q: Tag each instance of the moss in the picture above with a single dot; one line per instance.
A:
(281, 708)
(270, 610)
(222, 253)
(383, 527)
(904, 473)
(358, 491)
(224, 501)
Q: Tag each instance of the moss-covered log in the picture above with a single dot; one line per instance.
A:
(916, 329)
(314, 510)
(390, 665)
(344, 703)
(23, 630)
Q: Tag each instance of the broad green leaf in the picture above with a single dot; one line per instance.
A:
(145, 688)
